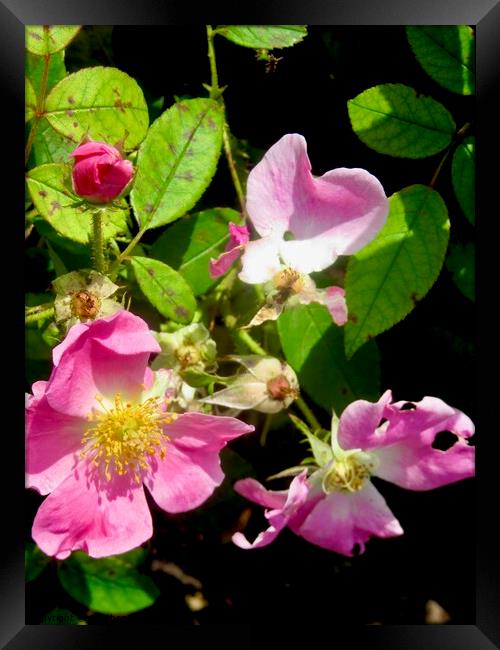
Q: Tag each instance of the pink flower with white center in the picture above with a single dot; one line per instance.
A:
(100, 173)
(337, 507)
(99, 430)
(327, 216)
(238, 238)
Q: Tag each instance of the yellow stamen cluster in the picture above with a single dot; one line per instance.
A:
(123, 439)
(347, 474)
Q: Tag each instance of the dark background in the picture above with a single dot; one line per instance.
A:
(431, 352)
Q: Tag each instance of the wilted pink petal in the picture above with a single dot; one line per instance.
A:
(411, 461)
(279, 517)
(334, 298)
(335, 214)
(359, 421)
(238, 237)
(79, 515)
(341, 520)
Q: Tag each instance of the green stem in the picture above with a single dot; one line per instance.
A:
(265, 429)
(308, 414)
(98, 242)
(244, 337)
(37, 308)
(216, 93)
(458, 136)
(41, 315)
(124, 254)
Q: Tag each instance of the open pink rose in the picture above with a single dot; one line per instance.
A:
(99, 430)
(322, 217)
(337, 507)
(100, 174)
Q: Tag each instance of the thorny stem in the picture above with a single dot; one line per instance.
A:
(216, 93)
(459, 135)
(41, 315)
(98, 242)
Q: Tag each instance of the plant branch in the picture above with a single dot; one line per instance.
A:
(41, 315)
(308, 414)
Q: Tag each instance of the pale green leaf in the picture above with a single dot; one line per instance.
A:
(463, 177)
(177, 161)
(394, 120)
(446, 53)
(47, 39)
(314, 347)
(34, 67)
(386, 278)
(29, 100)
(49, 146)
(102, 103)
(264, 37)
(165, 289)
(50, 189)
(188, 245)
(110, 585)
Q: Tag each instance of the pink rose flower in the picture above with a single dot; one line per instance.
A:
(238, 237)
(337, 507)
(100, 174)
(99, 430)
(327, 216)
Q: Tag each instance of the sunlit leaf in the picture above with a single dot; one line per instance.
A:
(165, 289)
(266, 37)
(393, 119)
(386, 278)
(177, 161)
(314, 347)
(446, 53)
(102, 103)
(110, 585)
(188, 245)
(47, 39)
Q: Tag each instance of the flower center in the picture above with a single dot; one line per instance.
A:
(288, 282)
(279, 388)
(124, 438)
(188, 355)
(349, 473)
(85, 304)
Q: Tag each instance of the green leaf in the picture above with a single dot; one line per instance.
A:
(110, 585)
(34, 561)
(264, 37)
(102, 103)
(322, 451)
(188, 245)
(34, 68)
(165, 289)
(385, 279)
(61, 616)
(446, 53)
(47, 39)
(49, 188)
(314, 347)
(29, 100)
(461, 262)
(49, 146)
(393, 119)
(463, 177)
(177, 161)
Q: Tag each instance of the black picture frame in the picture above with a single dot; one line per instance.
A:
(485, 16)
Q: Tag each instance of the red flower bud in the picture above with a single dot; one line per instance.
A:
(100, 174)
